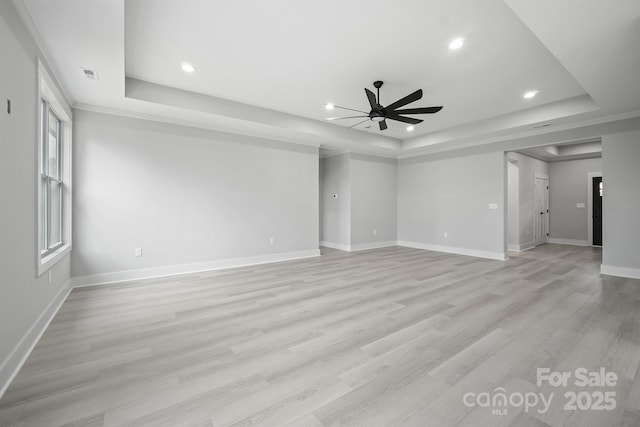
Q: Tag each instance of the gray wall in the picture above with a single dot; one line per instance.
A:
(23, 296)
(373, 200)
(453, 196)
(621, 201)
(185, 195)
(335, 178)
(568, 188)
(528, 167)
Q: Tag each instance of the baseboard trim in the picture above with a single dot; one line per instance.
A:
(373, 245)
(12, 364)
(358, 246)
(173, 270)
(500, 256)
(338, 246)
(572, 242)
(527, 246)
(520, 248)
(612, 270)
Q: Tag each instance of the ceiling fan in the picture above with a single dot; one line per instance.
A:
(380, 114)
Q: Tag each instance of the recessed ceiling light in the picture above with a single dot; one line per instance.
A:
(456, 43)
(328, 106)
(410, 128)
(530, 94)
(188, 68)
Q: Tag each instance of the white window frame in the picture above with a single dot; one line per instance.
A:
(57, 103)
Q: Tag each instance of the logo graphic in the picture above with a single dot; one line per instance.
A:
(594, 393)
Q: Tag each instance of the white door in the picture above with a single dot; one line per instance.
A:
(541, 210)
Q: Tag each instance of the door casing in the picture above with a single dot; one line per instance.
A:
(540, 204)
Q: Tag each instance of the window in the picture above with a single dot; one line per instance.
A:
(54, 174)
(50, 181)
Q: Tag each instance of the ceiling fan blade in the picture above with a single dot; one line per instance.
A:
(383, 124)
(352, 126)
(372, 98)
(350, 109)
(350, 117)
(409, 120)
(404, 101)
(425, 110)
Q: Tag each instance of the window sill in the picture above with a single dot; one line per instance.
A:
(53, 258)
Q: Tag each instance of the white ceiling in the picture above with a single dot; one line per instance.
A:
(294, 56)
(266, 69)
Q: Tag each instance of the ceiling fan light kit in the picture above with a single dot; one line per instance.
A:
(380, 114)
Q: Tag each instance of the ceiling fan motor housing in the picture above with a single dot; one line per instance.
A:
(376, 116)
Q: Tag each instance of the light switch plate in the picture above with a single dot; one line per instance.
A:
(493, 206)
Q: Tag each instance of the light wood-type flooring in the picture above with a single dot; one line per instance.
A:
(385, 337)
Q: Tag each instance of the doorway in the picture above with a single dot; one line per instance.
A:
(596, 210)
(594, 213)
(541, 210)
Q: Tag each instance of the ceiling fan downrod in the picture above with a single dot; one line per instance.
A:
(378, 84)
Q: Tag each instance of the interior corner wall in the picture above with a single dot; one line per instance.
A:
(452, 195)
(186, 197)
(358, 201)
(335, 192)
(621, 204)
(528, 168)
(26, 301)
(373, 201)
(567, 222)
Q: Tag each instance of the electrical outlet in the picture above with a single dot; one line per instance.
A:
(375, 232)
(49, 276)
(138, 252)
(446, 234)
(272, 241)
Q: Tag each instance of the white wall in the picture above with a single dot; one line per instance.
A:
(453, 196)
(335, 222)
(528, 168)
(185, 196)
(26, 301)
(373, 201)
(621, 204)
(567, 222)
